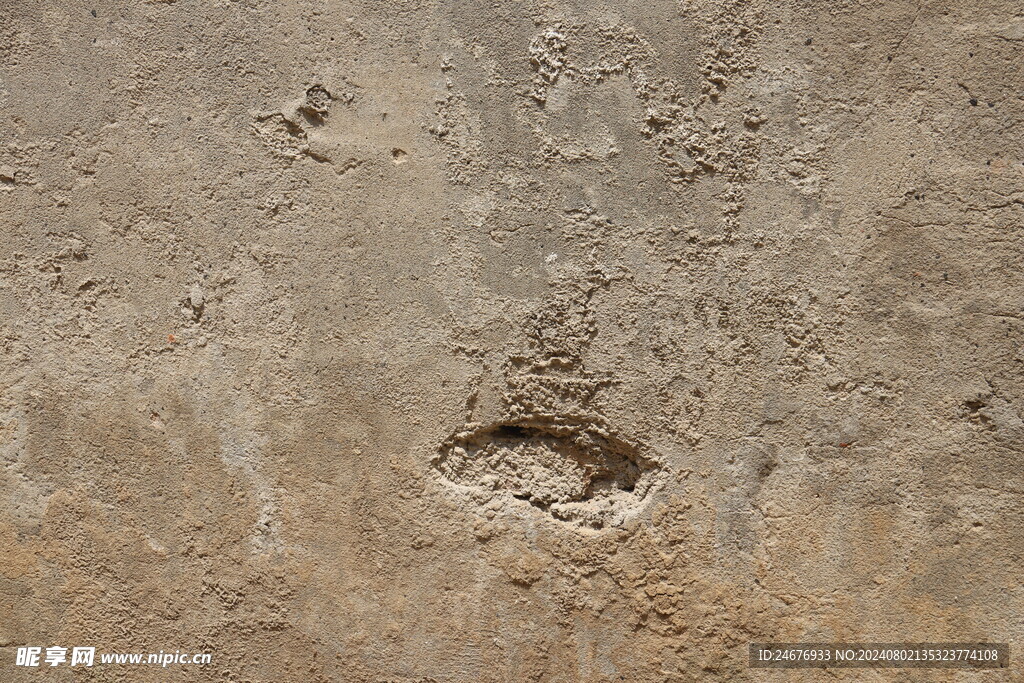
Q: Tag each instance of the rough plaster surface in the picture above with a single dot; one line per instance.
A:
(528, 340)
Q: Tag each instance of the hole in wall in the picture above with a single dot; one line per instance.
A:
(577, 471)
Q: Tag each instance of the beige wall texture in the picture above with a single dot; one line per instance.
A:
(520, 340)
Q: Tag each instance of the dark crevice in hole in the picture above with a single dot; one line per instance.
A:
(511, 432)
